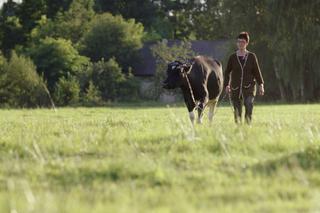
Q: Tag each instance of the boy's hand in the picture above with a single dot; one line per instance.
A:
(261, 90)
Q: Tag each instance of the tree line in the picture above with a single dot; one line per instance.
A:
(83, 51)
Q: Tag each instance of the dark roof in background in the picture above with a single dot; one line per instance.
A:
(147, 66)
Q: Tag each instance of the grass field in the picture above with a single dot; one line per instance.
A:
(149, 159)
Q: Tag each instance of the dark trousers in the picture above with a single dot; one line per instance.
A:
(238, 102)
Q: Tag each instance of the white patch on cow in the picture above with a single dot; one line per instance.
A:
(173, 67)
(191, 116)
(212, 105)
(200, 118)
(210, 114)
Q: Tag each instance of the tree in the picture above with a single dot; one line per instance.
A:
(295, 48)
(9, 8)
(30, 11)
(143, 11)
(70, 24)
(56, 6)
(208, 21)
(284, 34)
(56, 58)
(11, 29)
(11, 34)
(112, 36)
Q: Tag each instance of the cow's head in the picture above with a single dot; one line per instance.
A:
(176, 72)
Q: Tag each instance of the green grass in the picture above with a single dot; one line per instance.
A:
(149, 159)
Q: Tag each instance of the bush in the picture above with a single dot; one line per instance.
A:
(129, 89)
(107, 76)
(92, 96)
(67, 91)
(20, 84)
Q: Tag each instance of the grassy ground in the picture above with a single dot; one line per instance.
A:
(135, 159)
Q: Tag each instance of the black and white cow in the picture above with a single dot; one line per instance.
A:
(201, 82)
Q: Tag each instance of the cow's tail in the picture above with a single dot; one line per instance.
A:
(219, 74)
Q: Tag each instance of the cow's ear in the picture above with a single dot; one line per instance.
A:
(185, 68)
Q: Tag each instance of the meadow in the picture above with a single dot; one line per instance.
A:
(149, 159)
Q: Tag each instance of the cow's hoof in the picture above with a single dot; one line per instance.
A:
(199, 121)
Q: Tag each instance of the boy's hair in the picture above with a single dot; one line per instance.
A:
(244, 35)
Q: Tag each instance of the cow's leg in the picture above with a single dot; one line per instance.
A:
(189, 103)
(212, 107)
(202, 102)
(200, 112)
(191, 106)
(201, 106)
(191, 116)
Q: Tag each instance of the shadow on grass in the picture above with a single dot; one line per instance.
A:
(308, 159)
(12, 149)
(116, 173)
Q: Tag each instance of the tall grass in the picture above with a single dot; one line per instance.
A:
(150, 159)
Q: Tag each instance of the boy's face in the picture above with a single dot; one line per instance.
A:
(242, 44)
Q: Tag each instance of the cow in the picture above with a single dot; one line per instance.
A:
(201, 82)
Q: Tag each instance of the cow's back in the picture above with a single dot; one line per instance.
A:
(213, 70)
